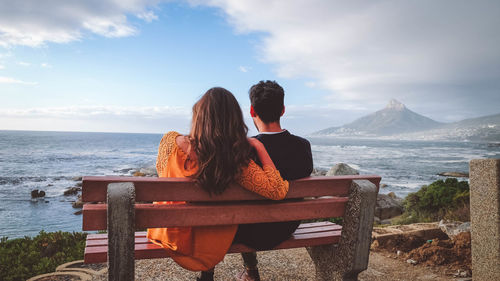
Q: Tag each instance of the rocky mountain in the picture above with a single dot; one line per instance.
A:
(485, 128)
(396, 121)
(395, 118)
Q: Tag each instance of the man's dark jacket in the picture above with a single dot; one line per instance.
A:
(293, 159)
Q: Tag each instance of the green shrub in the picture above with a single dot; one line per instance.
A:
(447, 199)
(26, 257)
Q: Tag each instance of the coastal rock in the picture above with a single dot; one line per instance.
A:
(387, 207)
(76, 178)
(454, 174)
(395, 197)
(149, 171)
(72, 191)
(452, 229)
(37, 193)
(78, 203)
(138, 174)
(342, 169)
(145, 172)
(318, 172)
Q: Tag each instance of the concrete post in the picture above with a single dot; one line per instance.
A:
(485, 218)
(350, 257)
(121, 227)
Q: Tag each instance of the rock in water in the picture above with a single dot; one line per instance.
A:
(78, 203)
(37, 193)
(72, 191)
(342, 169)
(454, 174)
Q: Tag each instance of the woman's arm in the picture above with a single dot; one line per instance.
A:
(265, 181)
(261, 152)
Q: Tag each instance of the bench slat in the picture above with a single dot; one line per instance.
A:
(149, 215)
(314, 234)
(140, 237)
(182, 189)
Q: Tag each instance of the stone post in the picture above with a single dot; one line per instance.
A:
(343, 262)
(121, 228)
(485, 218)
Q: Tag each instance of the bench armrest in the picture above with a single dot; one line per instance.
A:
(346, 260)
(121, 231)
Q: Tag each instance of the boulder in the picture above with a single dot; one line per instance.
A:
(395, 197)
(77, 178)
(138, 174)
(342, 169)
(454, 228)
(387, 207)
(145, 172)
(72, 191)
(149, 171)
(37, 193)
(78, 203)
(318, 172)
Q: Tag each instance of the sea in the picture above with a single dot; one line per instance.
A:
(54, 161)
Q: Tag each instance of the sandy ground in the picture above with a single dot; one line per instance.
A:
(290, 264)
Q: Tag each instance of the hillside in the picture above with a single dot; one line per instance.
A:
(395, 118)
(396, 121)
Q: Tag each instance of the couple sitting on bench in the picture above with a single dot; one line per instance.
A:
(216, 153)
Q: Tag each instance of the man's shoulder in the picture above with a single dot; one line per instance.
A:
(284, 141)
(298, 138)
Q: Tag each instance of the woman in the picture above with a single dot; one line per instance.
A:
(215, 153)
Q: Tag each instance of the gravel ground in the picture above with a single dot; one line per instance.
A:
(290, 264)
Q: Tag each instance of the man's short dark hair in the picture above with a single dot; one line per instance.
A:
(267, 100)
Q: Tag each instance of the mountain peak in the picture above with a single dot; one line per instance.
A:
(395, 104)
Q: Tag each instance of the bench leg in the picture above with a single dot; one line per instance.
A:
(350, 257)
(121, 227)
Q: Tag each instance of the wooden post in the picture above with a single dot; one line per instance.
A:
(121, 227)
(485, 218)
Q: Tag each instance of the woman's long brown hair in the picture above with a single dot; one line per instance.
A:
(219, 139)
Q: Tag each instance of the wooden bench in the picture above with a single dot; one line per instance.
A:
(338, 252)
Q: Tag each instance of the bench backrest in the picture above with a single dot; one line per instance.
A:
(235, 206)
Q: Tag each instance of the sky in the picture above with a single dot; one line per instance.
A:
(140, 65)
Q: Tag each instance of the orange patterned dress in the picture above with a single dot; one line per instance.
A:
(201, 248)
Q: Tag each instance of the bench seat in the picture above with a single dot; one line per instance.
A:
(307, 234)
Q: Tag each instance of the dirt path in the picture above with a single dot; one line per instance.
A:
(291, 264)
(383, 267)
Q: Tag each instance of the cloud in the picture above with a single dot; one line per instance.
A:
(436, 53)
(148, 16)
(23, 63)
(2, 67)
(46, 65)
(9, 80)
(244, 69)
(32, 23)
(151, 112)
(152, 119)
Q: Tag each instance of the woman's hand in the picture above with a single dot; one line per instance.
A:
(261, 152)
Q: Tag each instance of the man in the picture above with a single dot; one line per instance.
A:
(291, 155)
